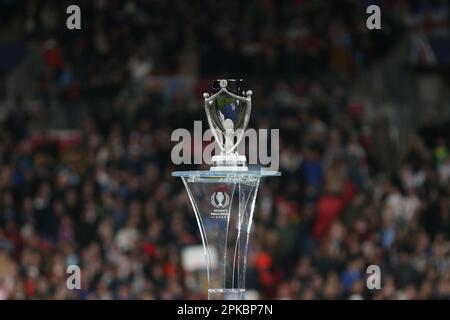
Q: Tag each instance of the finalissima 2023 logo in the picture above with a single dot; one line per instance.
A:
(220, 201)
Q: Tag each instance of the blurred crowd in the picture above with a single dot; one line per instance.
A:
(101, 195)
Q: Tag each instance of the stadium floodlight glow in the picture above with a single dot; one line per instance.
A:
(223, 198)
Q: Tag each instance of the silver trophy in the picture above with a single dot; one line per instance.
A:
(223, 198)
(228, 114)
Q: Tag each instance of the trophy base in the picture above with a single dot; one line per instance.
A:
(226, 294)
(229, 162)
(223, 203)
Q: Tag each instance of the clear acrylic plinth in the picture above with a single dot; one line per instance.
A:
(224, 202)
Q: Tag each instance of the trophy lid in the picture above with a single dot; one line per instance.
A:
(232, 85)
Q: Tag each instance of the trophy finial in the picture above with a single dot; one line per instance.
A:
(223, 83)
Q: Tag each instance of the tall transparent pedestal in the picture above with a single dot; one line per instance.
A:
(223, 203)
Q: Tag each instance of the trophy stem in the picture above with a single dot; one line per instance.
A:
(229, 143)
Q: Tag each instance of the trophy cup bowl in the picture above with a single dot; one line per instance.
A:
(223, 198)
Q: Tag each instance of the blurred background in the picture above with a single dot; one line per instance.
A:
(85, 123)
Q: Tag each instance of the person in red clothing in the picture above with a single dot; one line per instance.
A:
(328, 207)
(52, 55)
